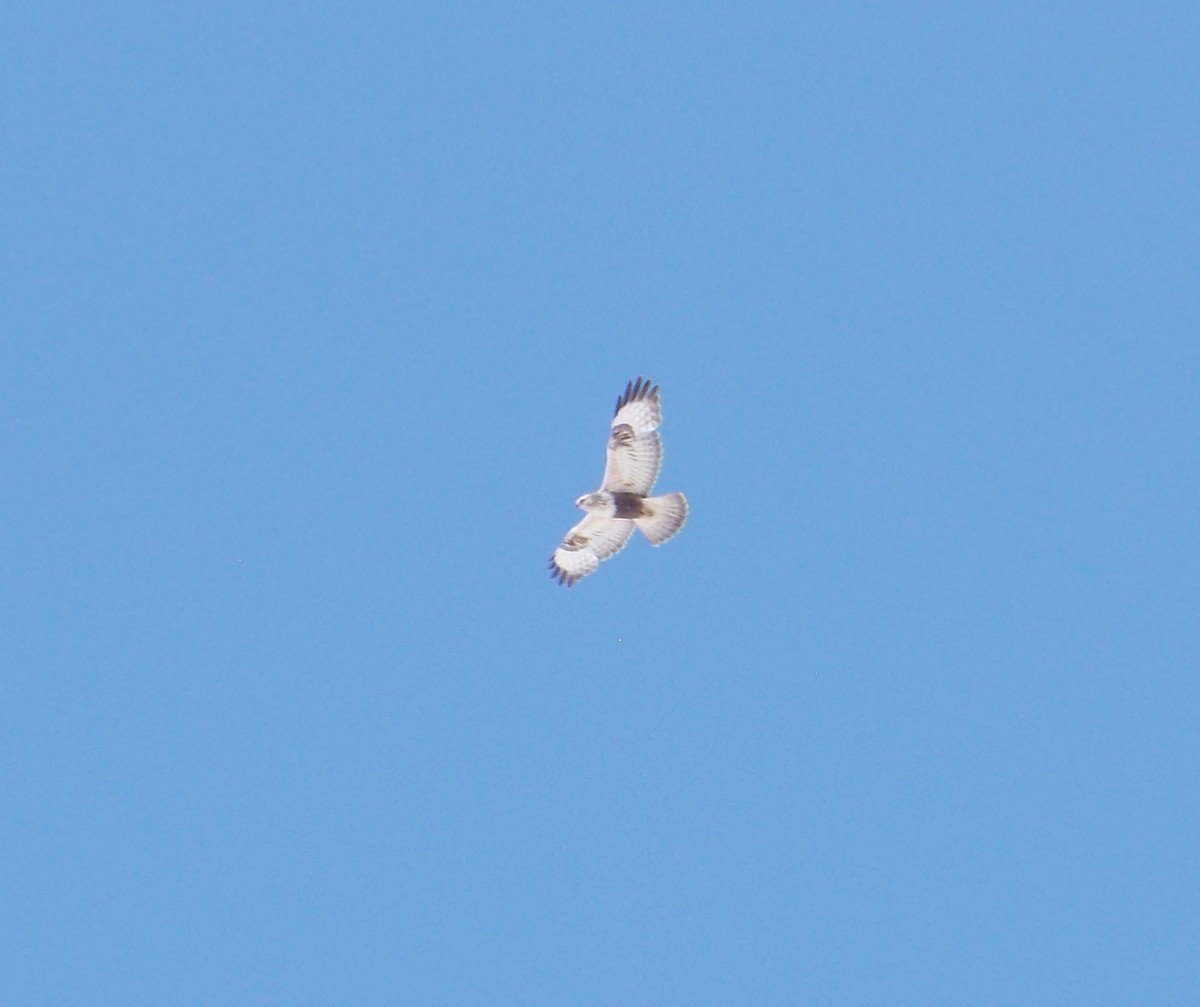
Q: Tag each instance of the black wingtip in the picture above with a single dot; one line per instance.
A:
(639, 388)
(557, 573)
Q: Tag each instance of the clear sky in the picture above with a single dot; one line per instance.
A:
(313, 318)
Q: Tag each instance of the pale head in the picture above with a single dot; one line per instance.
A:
(595, 503)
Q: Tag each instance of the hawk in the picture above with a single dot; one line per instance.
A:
(621, 503)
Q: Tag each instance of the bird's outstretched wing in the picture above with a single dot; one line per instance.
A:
(595, 538)
(634, 447)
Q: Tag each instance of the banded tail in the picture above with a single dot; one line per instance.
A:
(662, 516)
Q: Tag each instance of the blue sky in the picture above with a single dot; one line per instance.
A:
(313, 320)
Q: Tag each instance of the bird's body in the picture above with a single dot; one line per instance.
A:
(622, 503)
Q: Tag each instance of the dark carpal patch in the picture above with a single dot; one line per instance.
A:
(622, 436)
(628, 505)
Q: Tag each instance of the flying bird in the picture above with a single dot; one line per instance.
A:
(621, 503)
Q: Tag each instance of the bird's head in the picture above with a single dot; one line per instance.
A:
(593, 502)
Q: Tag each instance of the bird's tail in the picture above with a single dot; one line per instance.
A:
(662, 516)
